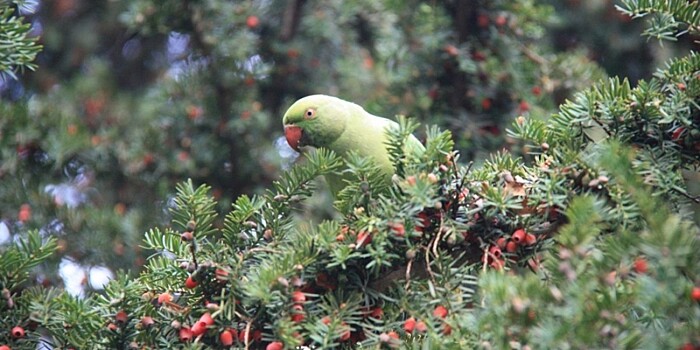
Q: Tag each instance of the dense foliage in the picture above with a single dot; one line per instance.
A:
(579, 234)
(132, 97)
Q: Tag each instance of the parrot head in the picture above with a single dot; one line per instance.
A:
(316, 120)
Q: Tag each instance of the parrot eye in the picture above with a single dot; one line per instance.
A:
(310, 113)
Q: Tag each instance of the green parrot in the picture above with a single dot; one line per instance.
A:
(342, 126)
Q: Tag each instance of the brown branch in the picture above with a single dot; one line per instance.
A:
(408, 274)
(686, 194)
(405, 271)
(193, 250)
(247, 336)
(291, 19)
(427, 264)
(533, 56)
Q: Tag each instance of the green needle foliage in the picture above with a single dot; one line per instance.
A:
(671, 18)
(584, 239)
(18, 48)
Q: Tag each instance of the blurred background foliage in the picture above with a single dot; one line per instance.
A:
(131, 97)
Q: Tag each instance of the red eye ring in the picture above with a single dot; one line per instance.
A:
(310, 113)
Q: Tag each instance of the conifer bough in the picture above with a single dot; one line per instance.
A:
(343, 127)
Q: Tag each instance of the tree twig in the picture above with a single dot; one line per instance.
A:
(408, 273)
(686, 194)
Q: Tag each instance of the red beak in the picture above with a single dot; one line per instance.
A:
(293, 135)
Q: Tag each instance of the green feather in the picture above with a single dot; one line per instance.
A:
(343, 126)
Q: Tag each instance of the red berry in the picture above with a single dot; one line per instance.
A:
(447, 329)
(391, 339)
(681, 86)
(511, 247)
(221, 275)
(363, 238)
(5, 347)
(695, 294)
(25, 213)
(147, 321)
(23, 151)
(534, 264)
(384, 338)
(440, 312)
(206, 318)
(518, 236)
(164, 298)
(482, 21)
(368, 62)
(433, 93)
(298, 297)
(377, 313)
(121, 316)
(112, 327)
(17, 332)
(498, 264)
(356, 337)
(640, 265)
(190, 282)
(199, 328)
(226, 338)
(676, 135)
(185, 334)
(252, 22)
(424, 221)
(409, 325)
(530, 239)
(496, 252)
(536, 90)
(411, 180)
(421, 327)
(187, 236)
(451, 50)
(326, 320)
(194, 112)
(687, 346)
(524, 106)
(486, 104)
(298, 314)
(346, 335)
(501, 20)
(249, 81)
(398, 229)
(501, 242)
(292, 53)
(275, 345)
